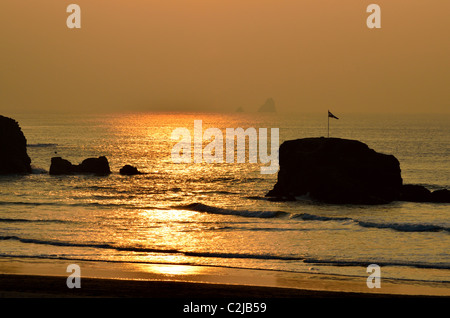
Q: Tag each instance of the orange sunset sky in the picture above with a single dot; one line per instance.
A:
(217, 55)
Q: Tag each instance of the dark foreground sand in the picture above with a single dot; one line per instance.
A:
(25, 286)
(27, 295)
(30, 278)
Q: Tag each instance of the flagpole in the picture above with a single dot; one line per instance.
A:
(332, 116)
(328, 126)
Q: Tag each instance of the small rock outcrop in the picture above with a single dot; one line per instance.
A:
(418, 193)
(335, 170)
(13, 148)
(97, 166)
(61, 166)
(128, 170)
(440, 196)
(414, 193)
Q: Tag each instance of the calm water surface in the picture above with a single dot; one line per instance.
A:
(216, 214)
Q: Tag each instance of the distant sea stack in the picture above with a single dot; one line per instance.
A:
(97, 166)
(342, 171)
(268, 106)
(13, 148)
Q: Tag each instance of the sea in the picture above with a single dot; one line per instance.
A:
(216, 214)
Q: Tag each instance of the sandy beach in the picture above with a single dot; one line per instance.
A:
(38, 278)
(35, 286)
(27, 286)
(289, 158)
(18, 286)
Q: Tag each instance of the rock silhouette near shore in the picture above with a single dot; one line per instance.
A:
(343, 171)
(331, 170)
(13, 148)
(97, 166)
(128, 170)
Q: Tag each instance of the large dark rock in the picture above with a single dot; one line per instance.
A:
(13, 148)
(338, 171)
(128, 170)
(97, 166)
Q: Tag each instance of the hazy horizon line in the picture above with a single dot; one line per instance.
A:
(250, 112)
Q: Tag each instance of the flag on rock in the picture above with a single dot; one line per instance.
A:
(331, 115)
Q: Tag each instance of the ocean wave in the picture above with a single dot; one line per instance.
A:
(227, 180)
(312, 217)
(433, 187)
(215, 192)
(28, 203)
(127, 206)
(193, 254)
(37, 170)
(405, 227)
(95, 187)
(244, 255)
(39, 145)
(57, 203)
(147, 249)
(69, 258)
(262, 229)
(199, 207)
(255, 197)
(365, 263)
(88, 245)
(222, 255)
(400, 227)
(207, 179)
(8, 220)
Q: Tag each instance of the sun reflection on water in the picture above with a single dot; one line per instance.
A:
(174, 270)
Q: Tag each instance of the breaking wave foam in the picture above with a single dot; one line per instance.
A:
(10, 220)
(41, 145)
(401, 227)
(224, 255)
(199, 207)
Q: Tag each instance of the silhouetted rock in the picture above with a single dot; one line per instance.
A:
(97, 166)
(13, 148)
(414, 193)
(440, 196)
(60, 166)
(268, 107)
(337, 171)
(129, 170)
